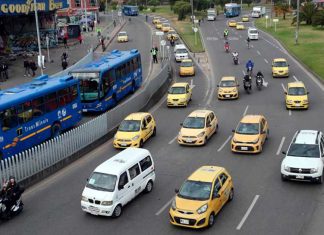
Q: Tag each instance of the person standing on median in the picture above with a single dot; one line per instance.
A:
(154, 51)
(27, 68)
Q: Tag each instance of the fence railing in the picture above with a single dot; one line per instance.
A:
(42, 157)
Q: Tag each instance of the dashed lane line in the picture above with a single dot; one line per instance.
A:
(258, 52)
(280, 145)
(289, 112)
(171, 141)
(243, 72)
(255, 199)
(164, 207)
(223, 145)
(295, 78)
(265, 60)
(283, 87)
(245, 111)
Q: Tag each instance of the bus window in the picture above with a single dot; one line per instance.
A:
(25, 112)
(128, 68)
(50, 102)
(123, 70)
(105, 82)
(135, 63)
(64, 96)
(9, 119)
(131, 66)
(138, 61)
(38, 107)
(118, 73)
(74, 92)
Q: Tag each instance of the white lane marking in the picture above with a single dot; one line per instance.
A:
(239, 226)
(245, 111)
(295, 78)
(251, 46)
(280, 145)
(191, 84)
(243, 72)
(164, 207)
(223, 145)
(265, 60)
(171, 141)
(272, 44)
(289, 112)
(158, 105)
(258, 52)
(283, 87)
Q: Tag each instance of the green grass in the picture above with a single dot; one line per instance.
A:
(310, 48)
(184, 28)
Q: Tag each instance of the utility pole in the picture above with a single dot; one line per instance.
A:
(38, 39)
(85, 12)
(192, 11)
(297, 25)
(271, 8)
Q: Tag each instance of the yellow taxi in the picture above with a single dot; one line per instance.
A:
(166, 27)
(201, 197)
(187, 68)
(245, 18)
(240, 25)
(228, 89)
(280, 68)
(134, 130)
(232, 23)
(296, 96)
(156, 19)
(198, 127)
(250, 134)
(122, 37)
(158, 25)
(172, 33)
(179, 94)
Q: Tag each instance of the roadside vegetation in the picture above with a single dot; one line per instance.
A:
(310, 47)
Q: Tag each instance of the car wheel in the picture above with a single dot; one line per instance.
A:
(117, 211)
(216, 130)
(190, 98)
(268, 132)
(141, 144)
(154, 132)
(283, 178)
(211, 220)
(205, 141)
(149, 187)
(231, 195)
(320, 180)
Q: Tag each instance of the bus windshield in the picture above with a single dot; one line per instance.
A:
(89, 86)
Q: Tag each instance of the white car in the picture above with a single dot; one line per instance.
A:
(180, 52)
(253, 34)
(304, 158)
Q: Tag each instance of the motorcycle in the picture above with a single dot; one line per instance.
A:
(172, 43)
(226, 48)
(249, 71)
(235, 60)
(259, 82)
(15, 209)
(247, 84)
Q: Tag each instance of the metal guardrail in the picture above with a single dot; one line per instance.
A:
(42, 157)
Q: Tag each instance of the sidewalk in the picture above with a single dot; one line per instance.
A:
(75, 52)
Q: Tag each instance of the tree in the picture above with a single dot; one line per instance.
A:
(318, 19)
(153, 3)
(248, 2)
(306, 13)
(282, 8)
(182, 8)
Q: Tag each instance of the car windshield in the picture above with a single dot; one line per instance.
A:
(304, 150)
(130, 126)
(166, 25)
(227, 84)
(186, 64)
(122, 34)
(89, 85)
(248, 128)
(253, 31)
(180, 51)
(177, 90)
(102, 182)
(280, 64)
(296, 91)
(195, 190)
(194, 122)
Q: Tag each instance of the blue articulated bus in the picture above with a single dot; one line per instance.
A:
(232, 10)
(109, 79)
(33, 112)
(130, 10)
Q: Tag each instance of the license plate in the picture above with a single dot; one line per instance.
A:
(189, 140)
(123, 144)
(184, 221)
(93, 210)
(297, 105)
(84, 110)
(244, 148)
(299, 177)
(227, 96)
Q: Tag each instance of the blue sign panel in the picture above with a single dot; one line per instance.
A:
(18, 7)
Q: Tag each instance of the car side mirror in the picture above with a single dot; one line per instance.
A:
(87, 179)
(217, 85)
(181, 124)
(233, 131)
(216, 196)
(238, 85)
(120, 187)
(285, 92)
(283, 152)
(307, 92)
(176, 190)
(144, 128)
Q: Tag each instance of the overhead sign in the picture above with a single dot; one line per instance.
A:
(195, 29)
(18, 7)
(266, 16)
(196, 21)
(276, 20)
(163, 42)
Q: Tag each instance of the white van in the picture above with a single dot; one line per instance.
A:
(117, 181)
(180, 52)
(253, 34)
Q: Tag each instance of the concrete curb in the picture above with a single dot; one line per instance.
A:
(311, 73)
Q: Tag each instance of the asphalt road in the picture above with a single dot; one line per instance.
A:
(53, 205)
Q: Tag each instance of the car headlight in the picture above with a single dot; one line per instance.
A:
(305, 101)
(314, 170)
(256, 141)
(135, 137)
(106, 203)
(234, 90)
(234, 140)
(173, 204)
(287, 168)
(220, 90)
(115, 137)
(201, 134)
(289, 101)
(202, 209)
(83, 198)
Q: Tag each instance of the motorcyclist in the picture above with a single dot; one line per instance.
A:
(249, 65)
(226, 46)
(248, 41)
(4, 198)
(259, 74)
(172, 40)
(14, 191)
(225, 33)
(64, 56)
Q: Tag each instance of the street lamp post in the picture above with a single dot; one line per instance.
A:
(271, 8)
(38, 39)
(86, 13)
(192, 11)
(297, 25)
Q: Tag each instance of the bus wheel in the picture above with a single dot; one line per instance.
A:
(133, 88)
(1, 156)
(56, 130)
